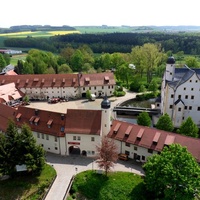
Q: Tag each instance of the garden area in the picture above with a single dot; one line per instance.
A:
(114, 186)
(29, 187)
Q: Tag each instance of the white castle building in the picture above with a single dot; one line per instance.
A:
(180, 93)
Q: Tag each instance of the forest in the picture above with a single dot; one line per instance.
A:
(187, 42)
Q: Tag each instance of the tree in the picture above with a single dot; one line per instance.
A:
(144, 119)
(153, 86)
(64, 69)
(189, 128)
(2, 62)
(172, 174)
(192, 62)
(77, 61)
(165, 123)
(88, 94)
(108, 154)
(19, 148)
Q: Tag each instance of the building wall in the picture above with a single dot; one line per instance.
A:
(189, 93)
(48, 142)
(99, 90)
(84, 142)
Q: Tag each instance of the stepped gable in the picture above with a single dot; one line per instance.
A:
(6, 113)
(83, 121)
(41, 121)
(97, 79)
(41, 80)
(151, 138)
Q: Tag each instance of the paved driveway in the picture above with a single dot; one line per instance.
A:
(66, 166)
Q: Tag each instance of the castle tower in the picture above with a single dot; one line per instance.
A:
(170, 69)
(105, 117)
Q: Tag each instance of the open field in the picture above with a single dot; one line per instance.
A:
(15, 58)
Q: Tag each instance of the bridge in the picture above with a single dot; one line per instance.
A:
(121, 110)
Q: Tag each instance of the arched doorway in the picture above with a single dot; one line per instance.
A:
(84, 153)
(74, 150)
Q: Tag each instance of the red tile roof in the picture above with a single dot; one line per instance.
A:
(83, 121)
(98, 79)
(58, 80)
(41, 80)
(40, 120)
(152, 138)
(6, 113)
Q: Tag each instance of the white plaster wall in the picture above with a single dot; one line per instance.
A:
(85, 143)
(104, 90)
(49, 145)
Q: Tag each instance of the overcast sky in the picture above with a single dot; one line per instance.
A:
(104, 12)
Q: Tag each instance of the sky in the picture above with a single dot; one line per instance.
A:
(99, 12)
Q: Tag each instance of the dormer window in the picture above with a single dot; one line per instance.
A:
(49, 123)
(18, 116)
(31, 119)
(36, 120)
(140, 134)
(156, 138)
(116, 127)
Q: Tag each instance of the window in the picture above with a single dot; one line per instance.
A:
(74, 137)
(184, 88)
(196, 81)
(95, 87)
(127, 144)
(89, 88)
(198, 108)
(190, 107)
(192, 97)
(192, 89)
(93, 152)
(183, 118)
(179, 96)
(56, 139)
(185, 107)
(102, 87)
(56, 148)
(47, 137)
(83, 88)
(143, 157)
(92, 139)
(127, 153)
(172, 96)
(190, 81)
(179, 109)
(186, 96)
(170, 106)
(157, 104)
(170, 73)
(42, 136)
(38, 135)
(150, 151)
(135, 148)
(79, 137)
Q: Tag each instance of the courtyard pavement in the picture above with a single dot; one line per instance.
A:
(68, 166)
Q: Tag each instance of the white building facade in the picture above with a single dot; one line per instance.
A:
(180, 93)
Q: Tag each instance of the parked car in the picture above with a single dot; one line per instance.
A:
(122, 156)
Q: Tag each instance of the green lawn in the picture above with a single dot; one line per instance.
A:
(27, 187)
(15, 58)
(117, 186)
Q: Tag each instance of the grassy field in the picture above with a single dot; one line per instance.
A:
(27, 187)
(103, 29)
(15, 58)
(117, 186)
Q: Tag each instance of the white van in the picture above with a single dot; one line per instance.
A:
(93, 97)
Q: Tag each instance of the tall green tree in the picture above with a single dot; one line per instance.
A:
(192, 62)
(144, 119)
(165, 123)
(19, 148)
(172, 174)
(77, 61)
(2, 62)
(189, 128)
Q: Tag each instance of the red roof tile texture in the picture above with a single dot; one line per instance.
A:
(58, 80)
(151, 135)
(38, 120)
(6, 113)
(83, 121)
(98, 79)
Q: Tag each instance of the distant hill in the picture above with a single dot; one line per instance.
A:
(22, 28)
